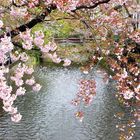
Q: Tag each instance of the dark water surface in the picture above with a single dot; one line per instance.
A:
(49, 115)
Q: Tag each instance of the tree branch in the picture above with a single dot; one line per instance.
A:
(40, 18)
(95, 4)
(31, 23)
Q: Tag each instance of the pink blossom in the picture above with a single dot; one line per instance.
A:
(13, 97)
(29, 70)
(39, 38)
(39, 34)
(6, 45)
(14, 57)
(19, 82)
(33, 3)
(5, 92)
(4, 96)
(128, 95)
(27, 37)
(38, 41)
(55, 58)
(7, 108)
(2, 77)
(2, 58)
(52, 45)
(10, 109)
(76, 102)
(23, 57)
(20, 91)
(45, 49)
(1, 23)
(30, 81)
(88, 100)
(9, 101)
(37, 87)
(13, 110)
(16, 117)
(18, 12)
(27, 46)
(125, 74)
(18, 76)
(67, 62)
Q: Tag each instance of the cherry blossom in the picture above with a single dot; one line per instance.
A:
(18, 12)
(16, 117)
(24, 57)
(20, 91)
(55, 58)
(128, 95)
(50, 47)
(30, 81)
(86, 93)
(67, 62)
(38, 41)
(1, 23)
(14, 57)
(27, 39)
(27, 46)
(37, 87)
(29, 70)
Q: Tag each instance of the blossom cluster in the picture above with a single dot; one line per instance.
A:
(5, 47)
(64, 5)
(48, 49)
(135, 36)
(18, 12)
(8, 93)
(85, 95)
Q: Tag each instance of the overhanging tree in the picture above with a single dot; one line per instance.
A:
(115, 34)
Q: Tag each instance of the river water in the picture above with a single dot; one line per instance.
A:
(49, 114)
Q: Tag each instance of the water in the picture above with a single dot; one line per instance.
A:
(49, 115)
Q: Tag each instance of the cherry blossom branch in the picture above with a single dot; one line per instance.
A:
(40, 18)
(91, 6)
(32, 23)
